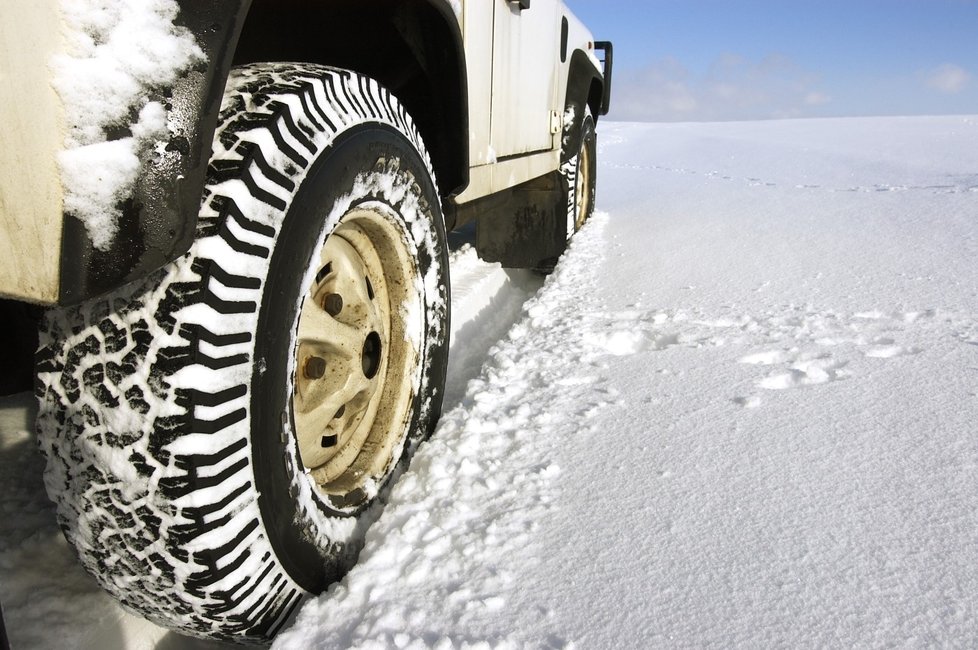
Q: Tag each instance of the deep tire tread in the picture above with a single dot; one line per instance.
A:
(187, 326)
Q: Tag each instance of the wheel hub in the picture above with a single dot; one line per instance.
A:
(353, 359)
(583, 185)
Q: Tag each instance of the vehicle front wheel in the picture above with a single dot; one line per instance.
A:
(217, 434)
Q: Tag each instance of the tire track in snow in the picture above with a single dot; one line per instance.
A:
(486, 301)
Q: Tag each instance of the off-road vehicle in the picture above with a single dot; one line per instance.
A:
(226, 220)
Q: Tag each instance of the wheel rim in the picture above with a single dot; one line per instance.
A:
(354, 357)
(583, 200)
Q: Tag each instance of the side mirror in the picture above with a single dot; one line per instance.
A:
(609, 56)
(523, 4)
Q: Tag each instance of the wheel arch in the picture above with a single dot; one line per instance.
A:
(585, 87)
(414, 49)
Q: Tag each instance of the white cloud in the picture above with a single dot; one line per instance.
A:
(948, 78)
(816, 98)
(662, 89)
(733, 88)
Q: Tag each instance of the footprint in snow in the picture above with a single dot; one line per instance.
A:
(872, 334)
(804, 369)
(622, 343)
(806, 373)
(748, 402)
(891, 351)
(769, 358)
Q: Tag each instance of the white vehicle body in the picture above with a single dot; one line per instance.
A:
(516, 92)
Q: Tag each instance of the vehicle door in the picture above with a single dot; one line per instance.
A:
(526, 40)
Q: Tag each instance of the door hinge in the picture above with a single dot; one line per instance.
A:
(555, 123)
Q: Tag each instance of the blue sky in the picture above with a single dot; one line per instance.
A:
(694, 60)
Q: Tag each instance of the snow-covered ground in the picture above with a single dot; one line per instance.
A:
(740, 413)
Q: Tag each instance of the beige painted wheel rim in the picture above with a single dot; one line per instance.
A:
(583, 200)
(354, 360)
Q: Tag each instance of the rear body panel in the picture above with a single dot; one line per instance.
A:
(31, 135)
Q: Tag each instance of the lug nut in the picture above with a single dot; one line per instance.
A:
(333, 304)
(314, 368)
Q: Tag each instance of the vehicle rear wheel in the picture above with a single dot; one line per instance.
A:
(217, 434)
(581, 174)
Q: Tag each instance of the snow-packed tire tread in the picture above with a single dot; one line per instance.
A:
(161, 371)
(569, 170)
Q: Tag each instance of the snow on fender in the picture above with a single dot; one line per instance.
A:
(216, 434)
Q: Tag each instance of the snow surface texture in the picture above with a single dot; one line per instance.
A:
(117, 53)
(602, 485)
(740, 413)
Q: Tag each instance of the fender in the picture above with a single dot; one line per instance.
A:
(414, 49)
(159, 220)
(585, 88)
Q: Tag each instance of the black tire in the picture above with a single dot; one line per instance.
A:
(168, 410)
(580, 170)
(18, 331)
(4, 643)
